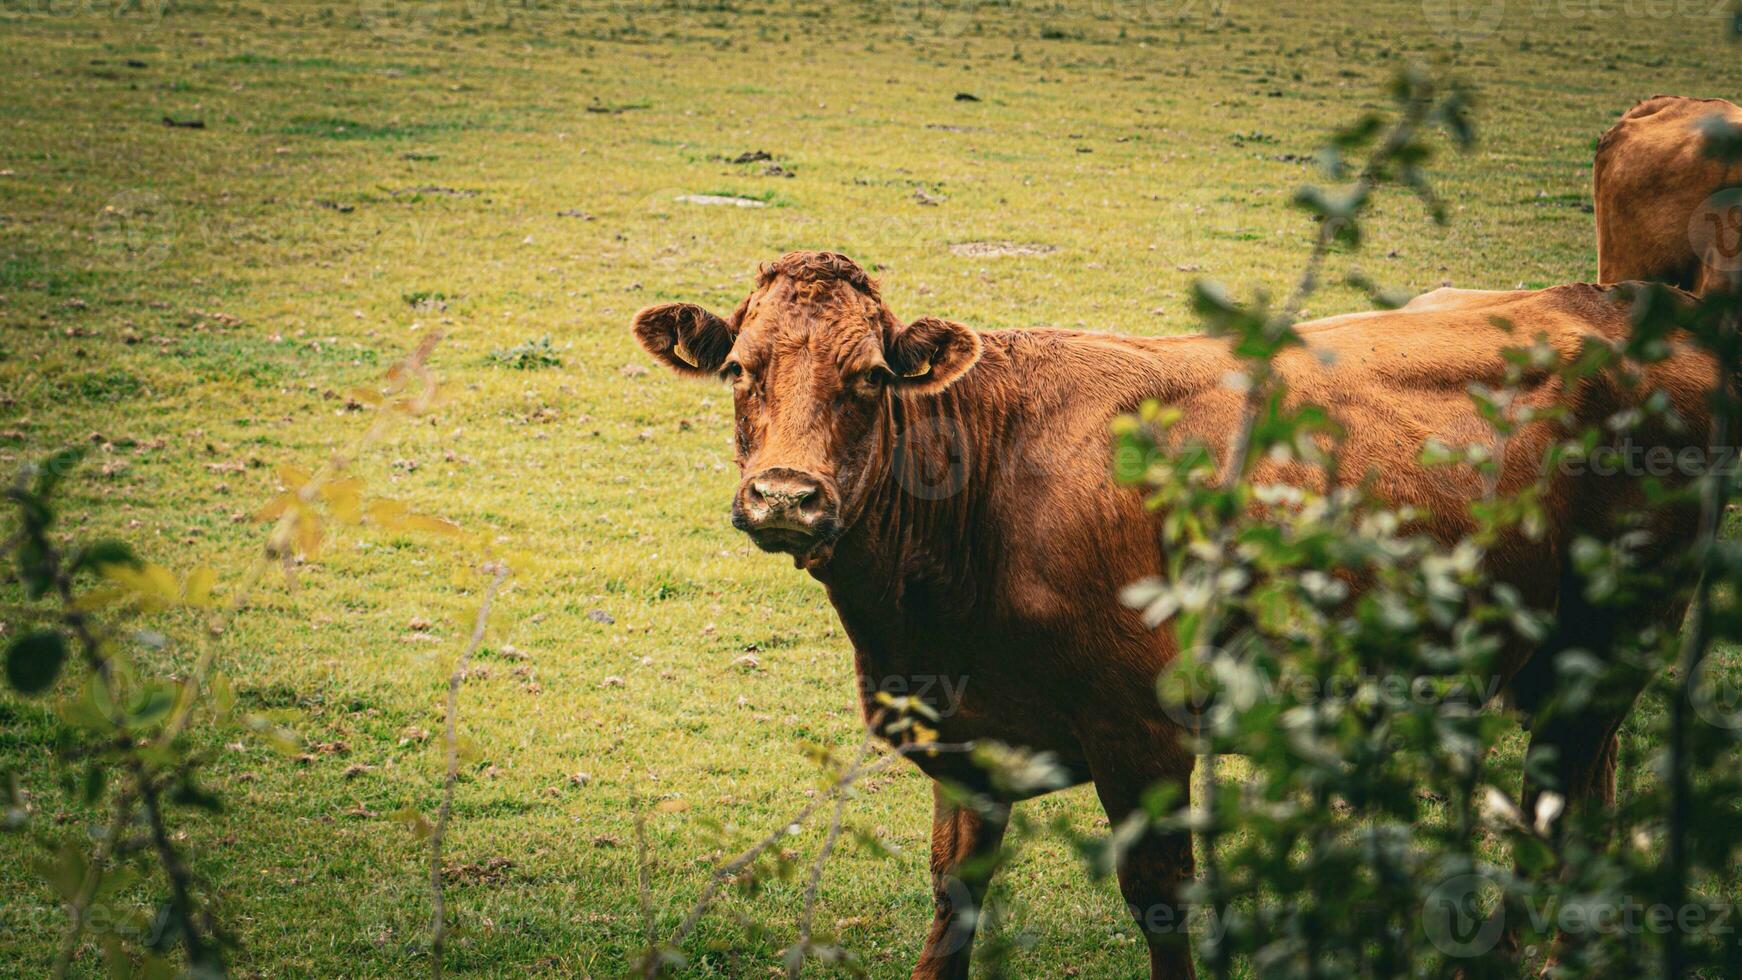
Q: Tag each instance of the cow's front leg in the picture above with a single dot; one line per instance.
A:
(964, 853)
(1154, 871)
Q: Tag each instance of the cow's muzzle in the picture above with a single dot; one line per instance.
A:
(784, 509)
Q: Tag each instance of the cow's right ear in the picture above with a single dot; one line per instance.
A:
(689, 339)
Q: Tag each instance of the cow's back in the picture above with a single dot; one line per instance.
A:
(1395, 380)
(1650, 180)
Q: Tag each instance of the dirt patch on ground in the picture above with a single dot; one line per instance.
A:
(721, 199)
(986, 250)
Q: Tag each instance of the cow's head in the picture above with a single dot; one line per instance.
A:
(814, 359)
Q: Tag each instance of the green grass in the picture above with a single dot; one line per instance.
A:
(619, 479)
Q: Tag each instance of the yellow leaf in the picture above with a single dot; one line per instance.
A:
(389, 514)
(197, 590)
(308, 535)
(347, 510)
(434, 525)
(364, 396)
(293, 477)
(276, 507)
(673, 806)
(155, 585)
(412, 820)
(223, 694)
(159, 581)
(348, 485)
(98, 598)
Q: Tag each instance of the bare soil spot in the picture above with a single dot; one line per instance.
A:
(721, 199)
(987, 250)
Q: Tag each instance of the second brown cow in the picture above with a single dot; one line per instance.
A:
(1667, 210)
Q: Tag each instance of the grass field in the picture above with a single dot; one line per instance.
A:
(189, 300)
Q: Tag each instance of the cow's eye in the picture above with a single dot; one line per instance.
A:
(870, 384)
(732, 371)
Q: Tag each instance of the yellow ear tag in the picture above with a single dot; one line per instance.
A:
(922, 371)
(683, 353)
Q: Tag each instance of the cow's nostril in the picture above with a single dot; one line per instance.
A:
(784, 499)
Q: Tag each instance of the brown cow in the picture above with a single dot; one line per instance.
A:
(952, 491)
(1666, 210)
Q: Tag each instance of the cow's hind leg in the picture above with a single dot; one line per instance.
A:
(1156, 869)
(1574, 746)
(964, 853)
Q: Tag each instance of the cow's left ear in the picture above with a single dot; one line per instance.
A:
(929, 353)
(689, 339)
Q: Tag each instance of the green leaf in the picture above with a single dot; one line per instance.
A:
(189, 793)
(35, 660)
(151, 705)
(33, 568)
(55, 469)
(1531, 853)
(65, 872)
(413, 821)
(107, 552)
(115, 957)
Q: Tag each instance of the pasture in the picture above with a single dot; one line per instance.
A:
(193, 302)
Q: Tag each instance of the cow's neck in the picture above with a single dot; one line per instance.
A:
(923, 550)
(919, 552)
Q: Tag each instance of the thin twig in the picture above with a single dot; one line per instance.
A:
(643, 881)
(91, 645)
(201, 953)
(801, 948)
(80, 905)
(859, 770)
(1308, 284)
(438, 919)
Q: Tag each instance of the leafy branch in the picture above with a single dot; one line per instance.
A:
(134, 726)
